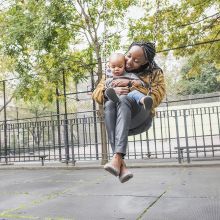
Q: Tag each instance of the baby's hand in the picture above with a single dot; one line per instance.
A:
(120, 82)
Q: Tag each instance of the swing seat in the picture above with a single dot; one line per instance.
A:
(142, 128)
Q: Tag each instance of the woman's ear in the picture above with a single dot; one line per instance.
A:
(145, 62)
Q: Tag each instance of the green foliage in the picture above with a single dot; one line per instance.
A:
(196, 78)
(37, 37)
(183, 23)
(118, 5)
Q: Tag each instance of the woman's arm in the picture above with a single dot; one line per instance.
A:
(137, 82)
(158, 89)
(98, 93)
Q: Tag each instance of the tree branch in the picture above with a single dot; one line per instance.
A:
(184, 25)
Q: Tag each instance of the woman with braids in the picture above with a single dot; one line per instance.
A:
(126, 117)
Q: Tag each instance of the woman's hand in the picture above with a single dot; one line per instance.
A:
(122, 90)
(120, 82)
(136, 83)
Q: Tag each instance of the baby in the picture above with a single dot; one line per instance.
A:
(117, 72)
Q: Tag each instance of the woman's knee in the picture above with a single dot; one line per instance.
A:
(127, 101)
(109, 105)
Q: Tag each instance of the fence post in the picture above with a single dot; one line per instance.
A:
(72, 142)
(168, 124)
(5, 124)
(66, 140)
(186, 136)
(58, 122)
(177, 137)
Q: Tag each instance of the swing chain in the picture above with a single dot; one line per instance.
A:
(156, 26)
(104, 38)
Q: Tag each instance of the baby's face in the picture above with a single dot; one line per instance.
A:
(117, 65)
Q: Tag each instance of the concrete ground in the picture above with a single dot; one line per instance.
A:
(155, 193)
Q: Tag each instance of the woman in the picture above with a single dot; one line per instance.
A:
(127, 117)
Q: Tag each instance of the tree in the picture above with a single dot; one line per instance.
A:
(37, 37)
(180, 24)
(95, 21)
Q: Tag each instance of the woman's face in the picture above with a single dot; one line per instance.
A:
(135, 58)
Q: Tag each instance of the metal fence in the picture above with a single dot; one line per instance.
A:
(179, 134)
(184, 129)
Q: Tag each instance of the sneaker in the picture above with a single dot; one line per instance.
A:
(147, 103)
(111, 169)
(111, 95)
(125, 177)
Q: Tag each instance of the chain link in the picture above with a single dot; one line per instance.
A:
(104, 37)
(156, 26)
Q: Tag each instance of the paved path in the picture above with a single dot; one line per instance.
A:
(171, 193)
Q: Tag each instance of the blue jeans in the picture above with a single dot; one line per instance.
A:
(136, 95)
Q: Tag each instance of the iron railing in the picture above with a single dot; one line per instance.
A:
(177, 134)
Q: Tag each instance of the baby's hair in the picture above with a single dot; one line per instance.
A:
(117, 55)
